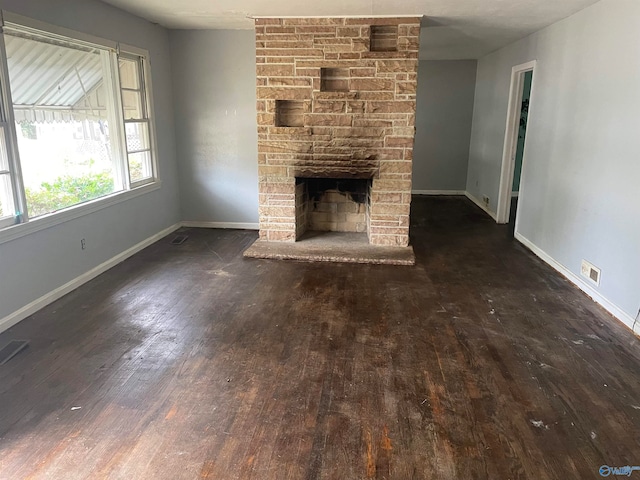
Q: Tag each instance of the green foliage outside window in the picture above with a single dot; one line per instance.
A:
(66, 191)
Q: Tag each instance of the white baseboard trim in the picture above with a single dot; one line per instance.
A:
(610, 307)
(232, 225)
(481, 205)
(31, 308)
(438, 192)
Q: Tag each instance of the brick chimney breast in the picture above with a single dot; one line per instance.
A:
(336, 100)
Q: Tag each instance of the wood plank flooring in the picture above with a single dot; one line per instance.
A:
(191, 362)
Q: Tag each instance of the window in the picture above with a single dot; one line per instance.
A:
(74, 122)
(136, 119)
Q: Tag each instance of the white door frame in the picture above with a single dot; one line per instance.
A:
(511, 139)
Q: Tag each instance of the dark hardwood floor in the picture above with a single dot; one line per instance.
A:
(191, 362)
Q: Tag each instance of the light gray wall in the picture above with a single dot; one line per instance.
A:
(36, 264)
(579, 196)
(215, 105)
(443, 124)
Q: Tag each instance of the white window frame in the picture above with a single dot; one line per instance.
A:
(21, 225)
(6, 112)
(129, 52)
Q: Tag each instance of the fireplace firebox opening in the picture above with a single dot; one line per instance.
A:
(332, 205)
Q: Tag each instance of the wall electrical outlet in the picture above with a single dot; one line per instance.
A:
(485, 200)
(590, 272)
(83, 244)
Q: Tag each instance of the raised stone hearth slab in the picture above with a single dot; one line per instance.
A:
(332, 247)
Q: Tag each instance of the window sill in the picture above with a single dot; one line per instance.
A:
(16, 231)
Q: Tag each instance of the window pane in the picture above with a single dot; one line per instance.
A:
(6, 192)
(132, 104)
(61, 112)
(139, 166)
(4, 159)
(137, 136)
(6, 198)
(129, 74)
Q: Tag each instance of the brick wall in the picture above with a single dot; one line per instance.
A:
(330, 107)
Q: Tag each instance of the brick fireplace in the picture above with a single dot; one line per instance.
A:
(336, 114)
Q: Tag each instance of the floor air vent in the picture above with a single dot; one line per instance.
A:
(179, 239)
(11, 349)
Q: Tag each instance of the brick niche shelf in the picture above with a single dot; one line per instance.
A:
(357, 121)
(289, 113)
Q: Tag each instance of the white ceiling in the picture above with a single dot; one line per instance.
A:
(452, 29)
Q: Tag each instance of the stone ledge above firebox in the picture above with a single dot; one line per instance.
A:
(328, 171)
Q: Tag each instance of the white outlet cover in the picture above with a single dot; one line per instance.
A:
(589, 271)
(584, 268)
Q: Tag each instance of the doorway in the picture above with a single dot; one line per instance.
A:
(522, 134)
(514, 145)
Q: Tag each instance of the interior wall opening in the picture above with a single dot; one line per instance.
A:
(514, 152)
(519, 157)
